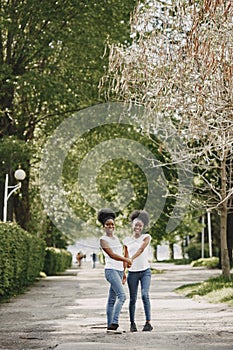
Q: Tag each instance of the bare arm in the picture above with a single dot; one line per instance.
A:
(108, 250)
(145, 243)
(126, 254)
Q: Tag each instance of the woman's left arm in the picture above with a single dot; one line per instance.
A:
(145, 243)
(126, 254)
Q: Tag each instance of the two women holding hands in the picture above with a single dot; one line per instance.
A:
(135, 259)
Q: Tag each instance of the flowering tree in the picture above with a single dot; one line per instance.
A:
(180, 68)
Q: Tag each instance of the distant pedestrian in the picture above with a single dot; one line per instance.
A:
(137, 246)
(94, 259)
(79, 258)
(114, 269)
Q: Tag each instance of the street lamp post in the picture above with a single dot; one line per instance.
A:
(19, 175)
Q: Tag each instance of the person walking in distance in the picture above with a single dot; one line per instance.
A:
(79, 258)
(136, 246)
(94, 259)
(114, 269)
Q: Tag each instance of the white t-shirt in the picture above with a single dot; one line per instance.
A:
(141, 263)
(116, 246)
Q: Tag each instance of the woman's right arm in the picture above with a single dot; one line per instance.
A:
(108, 250)
(126, 254)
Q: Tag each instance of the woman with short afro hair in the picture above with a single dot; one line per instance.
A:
(137, 247)
(114, 268)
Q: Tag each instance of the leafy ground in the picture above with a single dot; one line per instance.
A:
(214, 290)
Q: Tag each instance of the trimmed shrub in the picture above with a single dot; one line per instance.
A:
(21, 258)
(56, 260)
(194, 251)
(211, 263)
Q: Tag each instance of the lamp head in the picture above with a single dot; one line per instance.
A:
(20, 174)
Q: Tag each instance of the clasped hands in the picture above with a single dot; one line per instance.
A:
(129, 262)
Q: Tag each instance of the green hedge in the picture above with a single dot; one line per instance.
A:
(56, 260)
(21, 258)
(194, 251)
(211, 263)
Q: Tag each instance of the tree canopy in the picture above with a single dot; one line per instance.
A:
(52, 55)
(179, 67)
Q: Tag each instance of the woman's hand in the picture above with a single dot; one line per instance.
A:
(129, 262)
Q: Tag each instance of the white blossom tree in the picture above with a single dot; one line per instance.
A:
(180, 67)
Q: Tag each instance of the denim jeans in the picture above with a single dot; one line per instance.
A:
(133, 279)
(116, 296)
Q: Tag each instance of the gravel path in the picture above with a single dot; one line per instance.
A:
(67, 312)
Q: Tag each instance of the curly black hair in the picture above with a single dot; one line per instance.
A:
(105, 214)
(141, 215)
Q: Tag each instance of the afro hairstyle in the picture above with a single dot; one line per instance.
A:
(105, 214)
(140, 215)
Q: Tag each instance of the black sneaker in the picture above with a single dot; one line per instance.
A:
(147, 327)
(113, 329)
(133, 327)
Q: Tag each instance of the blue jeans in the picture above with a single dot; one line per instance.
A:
(116, 296)
(133, 279)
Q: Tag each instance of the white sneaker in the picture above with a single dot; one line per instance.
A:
(114, 329)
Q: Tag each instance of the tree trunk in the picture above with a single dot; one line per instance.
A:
(171, 251)
(223, 230)
(22, 206)
(230, 236)
(155, 252)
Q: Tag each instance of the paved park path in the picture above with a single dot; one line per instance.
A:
(67, 312)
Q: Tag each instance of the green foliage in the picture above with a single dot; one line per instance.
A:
(190, 225)
(51, 61)
(111, 176)
(13, 152)
(207, 262)
(53, 237)
(194, 251)
(56, 260)
(176, 261)
(156, 271)
(52, 57)
(217, 289)
(21, 258)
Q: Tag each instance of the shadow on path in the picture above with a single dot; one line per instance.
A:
(67, 312)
